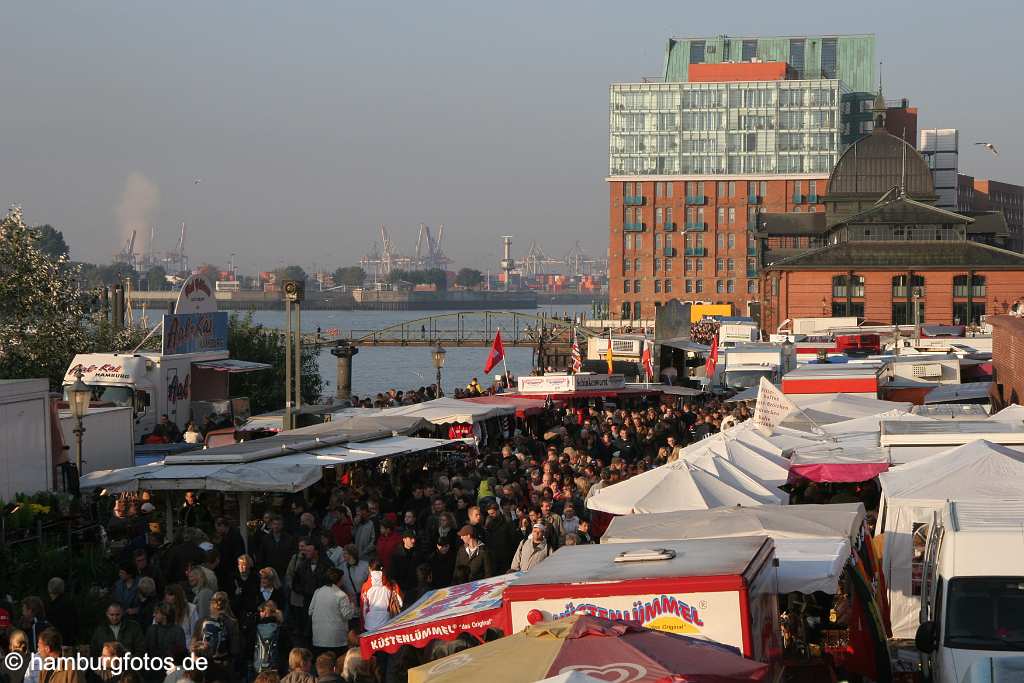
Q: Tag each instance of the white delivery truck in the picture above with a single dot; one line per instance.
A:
(972, 594)
(109, 439)
(26, 452)
(186, 381)
(746, 364)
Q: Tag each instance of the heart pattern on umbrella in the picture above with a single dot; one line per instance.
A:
(621, 672)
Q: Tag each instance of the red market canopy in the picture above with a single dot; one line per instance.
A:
(839, 464)
(525, 407)
(443, 614)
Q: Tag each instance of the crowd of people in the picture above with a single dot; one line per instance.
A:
(287, 597)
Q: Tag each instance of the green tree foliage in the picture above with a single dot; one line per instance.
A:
(51, 241)
(92, 276)
(290, 273)
(156, 279)
(469, 278)
(352, 276)
(433, 276)
(265, 389)
(41, 306)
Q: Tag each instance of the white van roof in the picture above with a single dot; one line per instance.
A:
(990, 515)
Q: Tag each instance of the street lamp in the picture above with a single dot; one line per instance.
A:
(438, 356)
(79, 395)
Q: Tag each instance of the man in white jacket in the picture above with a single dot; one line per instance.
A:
(330, 610)
(532, 550)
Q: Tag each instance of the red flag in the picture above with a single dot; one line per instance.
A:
(497, 353)
(577, 357)
(648, 360)
(712, 361)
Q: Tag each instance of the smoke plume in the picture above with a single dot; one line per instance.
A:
(139, 201)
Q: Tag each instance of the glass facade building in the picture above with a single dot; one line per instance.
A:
(763, 128)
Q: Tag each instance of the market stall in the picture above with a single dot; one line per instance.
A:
(911, 496)
(443, 614)
(457, 419)
(767, 468)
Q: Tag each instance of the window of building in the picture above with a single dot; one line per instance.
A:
(657, 241)
(627, 189)
(668, 265)
(700, 265)
(625, 286)
(688, 265)
(657, 286)
(639, 242)
(960, 288)
(751, 267)
(903, 312)
(668, 218)
(721, 240)
(721, 190)
(846, 286)
(719, 266)
(719, 287)
(851, 309)
(657, 264)
(697, 51)
(968, 313)
(668, 286)
(721, 215)
(636, 265)
(691, 189)
(752, 218)
(698, 286)
(637, 315)
(751, 286)
(748, 50)
(796, 55)
(700, 218)
(688, 286)
(629, 242)
(626, 264)
(659, 189)
(625, 311)
(812, 190)
(764, 189)
(829, 57)
(659, 216)
(636, 286)
(732, 241)
(899, 286)
(731, 265)
(668, 190)
(732, 215)
(730, 286)
(700, 189)
(668, 241)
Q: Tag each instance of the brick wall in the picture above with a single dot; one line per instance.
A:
(1007, 360)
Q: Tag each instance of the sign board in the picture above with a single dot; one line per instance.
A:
(714, 615)
(560, 384)
(196, 296)
(195, 332)
(772, 407)
(443, 614)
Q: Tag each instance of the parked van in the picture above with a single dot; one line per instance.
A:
(972, 604)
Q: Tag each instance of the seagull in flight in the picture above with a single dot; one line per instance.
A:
(989, 146)
(197, 181)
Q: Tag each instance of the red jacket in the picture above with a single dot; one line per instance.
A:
(342, 531)
(386, 547)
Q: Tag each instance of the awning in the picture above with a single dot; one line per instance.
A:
(289, 472)
(958, 393)
(839, 464)
(445, 410)
(525, 407)
(232, 365)
(684, 344)
(443, 614)
(674, 390)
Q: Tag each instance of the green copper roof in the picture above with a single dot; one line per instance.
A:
(854, 56)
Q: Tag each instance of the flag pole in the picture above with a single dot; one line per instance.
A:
(508, 383)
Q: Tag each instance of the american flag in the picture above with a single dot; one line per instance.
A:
(577, 359)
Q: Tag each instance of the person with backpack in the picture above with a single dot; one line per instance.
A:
(330, 611)
(219, 633)
(266, 654)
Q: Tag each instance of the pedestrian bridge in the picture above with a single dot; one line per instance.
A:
(466, 328)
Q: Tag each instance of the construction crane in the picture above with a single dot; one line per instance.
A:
(127, 253)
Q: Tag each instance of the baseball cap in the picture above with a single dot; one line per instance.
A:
(539, 525)
(468, 530)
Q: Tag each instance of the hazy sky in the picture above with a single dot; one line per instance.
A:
(311, 123)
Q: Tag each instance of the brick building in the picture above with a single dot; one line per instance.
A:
(882, 251)
(977, 194)
(1007, 360)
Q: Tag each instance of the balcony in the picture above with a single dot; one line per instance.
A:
(697, 199)
(753, 199)
(633, 227)
(798, 198)
(696, 251)
(670, 251)
(670, 227)
(633, 201)
(812, 199)
(696, 227)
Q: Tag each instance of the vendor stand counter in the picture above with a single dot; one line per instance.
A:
(721, 589)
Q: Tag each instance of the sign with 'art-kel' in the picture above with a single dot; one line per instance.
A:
(195, 332)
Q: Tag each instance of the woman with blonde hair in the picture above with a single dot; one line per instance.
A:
(201, 591)
(17, 642)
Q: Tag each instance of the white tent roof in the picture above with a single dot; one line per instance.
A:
(812, 542)
(979, 470)
(675, 486)
(286, 473)
(738, 479)
(1013, 413)
(841, 454)
(870, 423)
(449, 410)
(767, 468)
(847, 405)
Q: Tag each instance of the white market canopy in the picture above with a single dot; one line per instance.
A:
(768, 469)
(446, 410)
(289, 471)
(676, 486)
(812, 542)
(979, 470)
(847, 405)
(1013, 414)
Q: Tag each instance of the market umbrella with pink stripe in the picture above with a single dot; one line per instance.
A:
(608, 650)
